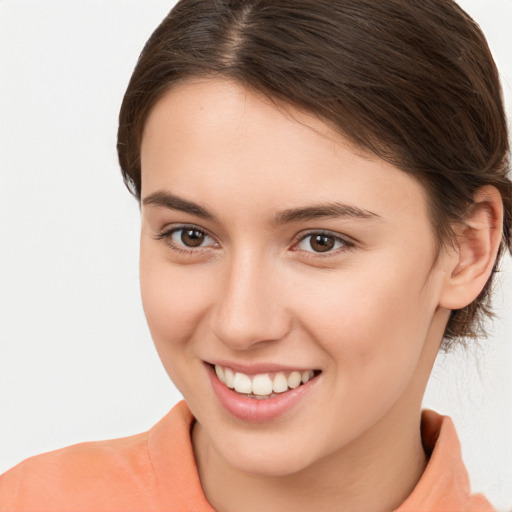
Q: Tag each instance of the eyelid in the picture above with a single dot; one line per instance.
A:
(167, 232)
(348, 242)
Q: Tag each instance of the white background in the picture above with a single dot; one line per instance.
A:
(76, 359)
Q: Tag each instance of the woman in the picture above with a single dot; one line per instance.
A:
(324, 198)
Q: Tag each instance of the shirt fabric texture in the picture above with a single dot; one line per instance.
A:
(156, 472)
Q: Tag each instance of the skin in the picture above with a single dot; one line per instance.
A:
(370, 314)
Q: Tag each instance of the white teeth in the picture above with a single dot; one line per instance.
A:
(294, 379)
(220, 373)
(242, 383)
(262, 385)
(229, 378)
(280, 384)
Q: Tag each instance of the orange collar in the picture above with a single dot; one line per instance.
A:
(444, 486)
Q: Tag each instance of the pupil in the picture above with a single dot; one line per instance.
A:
(192, 237)
(322, 243)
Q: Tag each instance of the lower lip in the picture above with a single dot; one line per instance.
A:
(256, 410)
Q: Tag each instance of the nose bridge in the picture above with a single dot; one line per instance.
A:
(250, 309)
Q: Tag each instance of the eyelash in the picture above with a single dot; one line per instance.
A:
(346, 244)
(167, 234)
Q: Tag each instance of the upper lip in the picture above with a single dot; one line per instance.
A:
(257, 368)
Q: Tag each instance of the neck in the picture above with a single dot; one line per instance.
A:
(376, 473)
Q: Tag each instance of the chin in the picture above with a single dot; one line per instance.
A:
(267, 459)
(271, 467)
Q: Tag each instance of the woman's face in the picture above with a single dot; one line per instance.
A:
(273, 250)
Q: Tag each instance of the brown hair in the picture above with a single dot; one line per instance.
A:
(412, 81)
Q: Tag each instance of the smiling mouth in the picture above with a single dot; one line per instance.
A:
(263, 385)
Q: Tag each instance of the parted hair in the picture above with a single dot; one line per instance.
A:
(411, 81)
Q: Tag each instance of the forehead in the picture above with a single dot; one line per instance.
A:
(228, 145)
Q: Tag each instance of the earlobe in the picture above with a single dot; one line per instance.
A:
(478, 239)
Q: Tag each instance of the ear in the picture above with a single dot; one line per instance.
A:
(478, 239)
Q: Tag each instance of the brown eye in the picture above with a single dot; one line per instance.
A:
(322, 243)
(187, 238)
(192, 237)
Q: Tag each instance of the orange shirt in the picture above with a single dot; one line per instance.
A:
(156, 471)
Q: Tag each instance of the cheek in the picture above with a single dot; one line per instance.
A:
(174, 300)
(365, 318)
(373, 329)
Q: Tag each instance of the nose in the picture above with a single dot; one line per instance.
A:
(250, 309)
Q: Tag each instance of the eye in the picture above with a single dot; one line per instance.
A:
(322, 242)
(189, 237)
(186, 238)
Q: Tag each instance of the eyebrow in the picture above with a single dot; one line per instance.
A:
(311, 212)
(322, 211)
(173, 202)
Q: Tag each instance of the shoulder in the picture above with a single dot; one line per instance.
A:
(117, 474)
(77, 473)
(445, 483)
